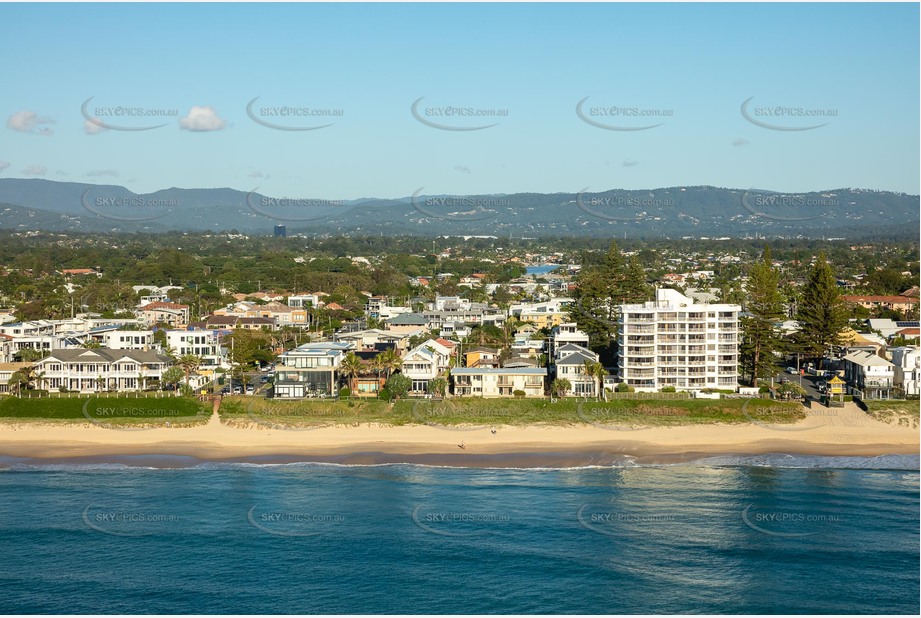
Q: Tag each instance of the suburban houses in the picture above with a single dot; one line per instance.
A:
(461, 344)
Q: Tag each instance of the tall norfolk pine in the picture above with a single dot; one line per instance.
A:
(765, 305)
(821, 312)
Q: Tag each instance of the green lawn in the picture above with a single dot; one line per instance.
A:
(491, 412)
(108, 410)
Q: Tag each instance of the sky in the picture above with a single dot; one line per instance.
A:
(461, 99)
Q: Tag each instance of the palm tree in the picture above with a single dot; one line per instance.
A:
(377, 366)
(390, 361)
(17, 379)
(594, 369)
(560, 386)
(189, 363)
(600, 372)
(350, 367)
(39, 378)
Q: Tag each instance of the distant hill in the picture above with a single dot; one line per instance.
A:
(703, 211)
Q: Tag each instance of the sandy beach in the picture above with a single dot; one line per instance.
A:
(846, 431)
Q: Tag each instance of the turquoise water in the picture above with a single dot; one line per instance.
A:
(725, 535)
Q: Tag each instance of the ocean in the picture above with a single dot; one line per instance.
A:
(766, 534)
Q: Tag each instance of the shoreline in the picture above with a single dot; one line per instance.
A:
(849, 432)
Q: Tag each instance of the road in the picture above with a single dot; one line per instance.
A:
(807, 381)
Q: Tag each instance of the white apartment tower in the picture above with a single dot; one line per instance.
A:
(674, 341)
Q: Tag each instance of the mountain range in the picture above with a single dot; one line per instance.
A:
(693, 211)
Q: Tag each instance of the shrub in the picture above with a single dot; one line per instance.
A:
(518, 394)
(344, 393)
(668, 389)
(623, 387)
(398, 385)
(384, 394)
(764, 389)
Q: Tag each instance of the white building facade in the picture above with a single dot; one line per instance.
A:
(676, 342)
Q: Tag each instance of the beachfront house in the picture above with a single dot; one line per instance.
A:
(309, 370)
(907, 362)
(101, 369)
(498, 382)
(569, 364)
(424, 363)
(870, 374)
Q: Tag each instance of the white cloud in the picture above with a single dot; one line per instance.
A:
(35, 170)
(30, 122)
(4, 165)
(255, 174)
(91, 128)
(630, 163)
(740, 141)
(463, 169)
(202, 118)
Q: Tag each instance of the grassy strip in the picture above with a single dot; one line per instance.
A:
(491, 412)
(108, 410)
(904, 413)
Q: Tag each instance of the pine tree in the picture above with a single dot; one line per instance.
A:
(591, 311)
(634, 288)
(821, 312)
(612, 271)
(765, 307)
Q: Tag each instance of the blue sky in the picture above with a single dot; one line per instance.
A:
(692, 66)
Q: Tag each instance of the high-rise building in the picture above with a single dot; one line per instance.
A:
(673, 341)
(281, 231)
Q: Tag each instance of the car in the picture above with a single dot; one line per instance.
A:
(792, 370)
(237, 390)
(225, 390)
(264, 379)
(250, 390)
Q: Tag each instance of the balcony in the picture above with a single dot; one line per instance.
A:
(639, 340)
(639, 330)
(640, 374)
(639, 317)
